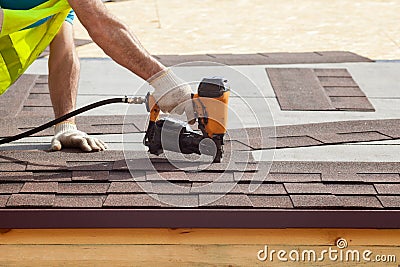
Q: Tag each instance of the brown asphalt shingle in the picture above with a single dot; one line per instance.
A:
(307, 188)
(266, 58)
(215, 188)
(40, 187)
(69, 180)
(170, 188)
(316, 201)
(351, 137)
(11, 102)
(360, 201)
(296, 141)
(353, 103)
(388, 189)
(131, 200)
(31, 200)
(174, 201)
(130, 187)
(12, 166)
(83, 188)
(46, 165)
(3, 200)
(90, 175)
(60, 176)
(210, 177)
(89, 165)
(166, 176)
(127, 176)
(343, 91)
(230, 200)
(263, 189)
(10, 188)
(298, 89)
(305, 89)
(390, 201)
(352, 189)
(77, 201)
(380, 177)
(293, 177)
(279, 202)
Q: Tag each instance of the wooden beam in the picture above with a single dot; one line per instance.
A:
(200, 236)
(183, 247)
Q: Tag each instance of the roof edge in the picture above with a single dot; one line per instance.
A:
(195, 218)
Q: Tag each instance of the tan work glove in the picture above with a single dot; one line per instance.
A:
(173, 95)
(67, 135)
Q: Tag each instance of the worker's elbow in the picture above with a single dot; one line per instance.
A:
(96, 32)
(106, 29)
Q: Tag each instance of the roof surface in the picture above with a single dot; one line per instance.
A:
(117, 188)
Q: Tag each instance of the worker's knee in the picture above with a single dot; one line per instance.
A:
(62, 49)
(74, 61)
(65, 59)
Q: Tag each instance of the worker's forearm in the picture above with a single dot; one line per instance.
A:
(115, 38)
(123, 47)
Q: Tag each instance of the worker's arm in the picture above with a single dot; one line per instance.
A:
(115, 38)
(119, 42)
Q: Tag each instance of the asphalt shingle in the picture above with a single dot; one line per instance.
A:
(360, 201)
(3, 200)
(31, 200)
(388, 189)
(231, 200)
(69, 179)
(305, 89)
(130, 187)
(178, 201)
(266, 201)
(352, 189)
(15, 176)
(390, 201)
(83, 188)
(10, 188)
(40, 187)
(315, 201)
(379, 177)
(130, 200)
(90, 175)
(77, 201)
(166, 176)
(307, 188)
(60, 176)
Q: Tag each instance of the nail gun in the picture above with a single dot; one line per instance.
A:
(210, 106)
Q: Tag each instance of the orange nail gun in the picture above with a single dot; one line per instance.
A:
(210, 106)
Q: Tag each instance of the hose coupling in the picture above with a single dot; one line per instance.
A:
(134, 100)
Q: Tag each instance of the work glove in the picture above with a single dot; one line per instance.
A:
(67, 135)
(173, 95)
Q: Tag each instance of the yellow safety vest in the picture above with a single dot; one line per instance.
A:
(18, 47)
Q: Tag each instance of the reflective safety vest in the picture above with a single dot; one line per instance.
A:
(19, 47)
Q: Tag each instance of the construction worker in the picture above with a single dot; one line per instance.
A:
(51, 21)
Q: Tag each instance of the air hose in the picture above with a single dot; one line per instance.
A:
(127, 100)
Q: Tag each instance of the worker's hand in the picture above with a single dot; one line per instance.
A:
(67, 135)
(172, 94)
